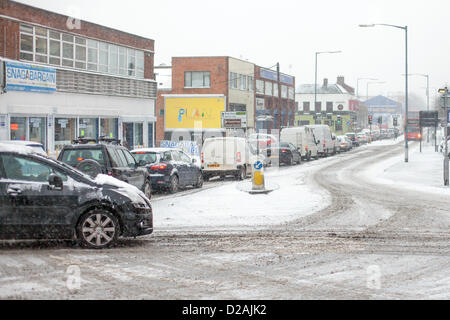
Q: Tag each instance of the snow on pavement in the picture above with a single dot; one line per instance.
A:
(227, 206)
(423, 171)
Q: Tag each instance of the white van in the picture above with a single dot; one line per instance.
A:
(324, 140)
(303, 139)
(228, 156)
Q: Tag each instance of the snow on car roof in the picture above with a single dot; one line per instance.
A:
(154, 149)
(8, 147)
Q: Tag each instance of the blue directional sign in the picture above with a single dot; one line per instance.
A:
(258, 165)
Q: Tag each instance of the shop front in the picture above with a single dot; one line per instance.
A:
(56, 118)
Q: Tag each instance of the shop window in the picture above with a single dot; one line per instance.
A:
(150, 135)
(65, 132)
(88, 128)
(18, 128)
(109, 128)
(138, 135)
(37, 127)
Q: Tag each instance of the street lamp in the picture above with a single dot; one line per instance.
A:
(367, 87)
(315, 75)
(357, 85)
(405, 28)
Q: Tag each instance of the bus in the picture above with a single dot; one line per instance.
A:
(413, 129)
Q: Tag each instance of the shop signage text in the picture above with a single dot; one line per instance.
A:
(29, 78)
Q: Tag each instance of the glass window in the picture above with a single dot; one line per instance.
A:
(18, 128)
(41, 45)
(67, 38)
(130, 159)
(55, 61)
(74, 156)
(114, 157)
(250, 83)
(140, 64)
(275, 90)
(127, 135)
(80, 41)
(65, 132)
(55, 48)
(138, 135)
(113, 59)
(233, 80)
(40, 58)
(40, 31)
(291, 93)
(123, 61)
(26, 28)
(131, 62)
(88, 127)
(26, 56)
(197, 79)
(67, 63)
(54, 35)
(188, 79)
(268, 90)
(109, 128)
(185, 157)
(80, 53)
(243, 82)
(260, 86)
(167, 156)
(148, 157)
(176, 156)
(19, 168)
(284, 92)
(67, 50)
(121, 158)
(26, 43)
(37, 127)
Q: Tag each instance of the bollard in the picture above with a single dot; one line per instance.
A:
(258, 176)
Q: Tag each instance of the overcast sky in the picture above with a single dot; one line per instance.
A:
(290, 32)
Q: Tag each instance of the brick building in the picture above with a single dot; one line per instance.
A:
(65, 78)
(272, 102)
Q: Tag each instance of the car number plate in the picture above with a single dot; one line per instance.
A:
(213, 166)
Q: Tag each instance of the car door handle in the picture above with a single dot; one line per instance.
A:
(14, 192)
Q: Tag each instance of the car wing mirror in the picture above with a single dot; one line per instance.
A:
(55, 182)
(142, 163)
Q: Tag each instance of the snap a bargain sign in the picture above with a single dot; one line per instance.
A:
(29, 78)
(185, 112)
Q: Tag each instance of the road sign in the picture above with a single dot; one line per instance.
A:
(258, 165)
(428, 118)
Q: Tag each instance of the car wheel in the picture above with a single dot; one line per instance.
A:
(205, 177)
(174, 184)
(308, 157)
(147, 189)
(98, 229)
(199, 182)
(290, 161)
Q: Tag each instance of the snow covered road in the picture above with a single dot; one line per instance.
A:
(332, 231)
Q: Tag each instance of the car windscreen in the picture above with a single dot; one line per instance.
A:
(148, 157)
(75, 156)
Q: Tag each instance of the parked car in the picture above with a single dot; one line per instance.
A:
(362, 138)
(42, 198)
(303, 139)
(336, 145)
(353, 138)
(36, 146)
(107, 158)
(228, 156)
(170, 169)
(283, 153)
(345, 143)
(324, 140)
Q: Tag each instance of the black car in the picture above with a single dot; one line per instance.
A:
(170, 169)
(286, 153)
(107, 158)
(42, 198)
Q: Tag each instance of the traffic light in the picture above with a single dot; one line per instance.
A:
(380, 120)
(338, 120)
(370, 119)
(395, 122)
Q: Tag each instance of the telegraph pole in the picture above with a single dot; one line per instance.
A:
(279, 93)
